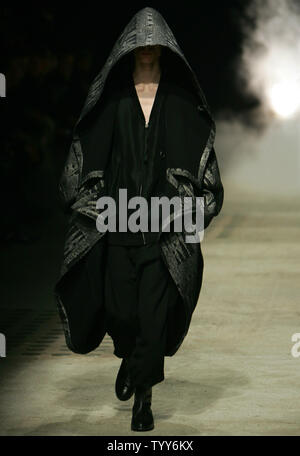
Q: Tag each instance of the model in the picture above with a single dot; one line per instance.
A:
(145, 127)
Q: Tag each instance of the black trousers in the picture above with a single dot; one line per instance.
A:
(140, 292)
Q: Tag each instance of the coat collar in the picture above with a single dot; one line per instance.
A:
(147, 27)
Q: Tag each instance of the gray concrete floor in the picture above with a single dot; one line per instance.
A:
(234, 373)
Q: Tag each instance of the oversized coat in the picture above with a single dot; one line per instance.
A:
(79, 291)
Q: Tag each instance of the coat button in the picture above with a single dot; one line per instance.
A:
(162, 153)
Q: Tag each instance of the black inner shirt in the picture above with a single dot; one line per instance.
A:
(137, 157)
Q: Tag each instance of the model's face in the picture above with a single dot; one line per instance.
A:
(147, 54)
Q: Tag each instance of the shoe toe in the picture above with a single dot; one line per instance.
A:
(123, 386)
(142, 422)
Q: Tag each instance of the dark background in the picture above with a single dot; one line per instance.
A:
(50, 55)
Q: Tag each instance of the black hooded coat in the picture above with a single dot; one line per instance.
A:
(191, 169)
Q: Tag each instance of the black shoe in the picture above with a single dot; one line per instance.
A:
(123, 386)
(142, 418)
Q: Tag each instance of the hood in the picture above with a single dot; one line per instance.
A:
(147, 27)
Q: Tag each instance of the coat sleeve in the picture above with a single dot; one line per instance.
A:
(89, 153)
(69, 180)
(212, 190)
(211, 187)
(188, 133)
